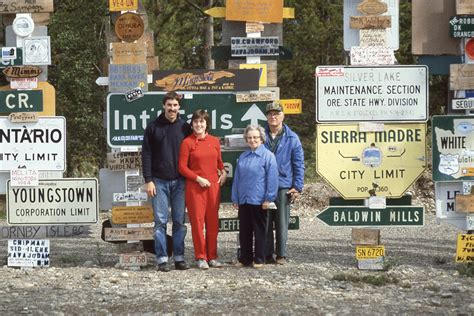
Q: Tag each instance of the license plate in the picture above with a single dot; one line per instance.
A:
(370, 252)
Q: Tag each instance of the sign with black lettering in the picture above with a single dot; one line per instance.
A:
(359, 164)
(461, 26)
(465, 248)
(21, 101)
(254, 46)
(26, 6)
(58, 201)
(124, 161)
(28, 253)
(363, 93)
(233, 224)
(35, 145)
(123, 78)
(50, 231)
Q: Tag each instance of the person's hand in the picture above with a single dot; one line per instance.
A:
(204, 183)
(222, 178)
(265, 205)
(236, 206)
(150, 188)
(293, 194)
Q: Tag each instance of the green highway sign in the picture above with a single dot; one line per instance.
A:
(126, 122)
(461, 26)
(225, 53)
(21, 101)
(18, 61)
(229, 157)
(356, 216)
(232, 224)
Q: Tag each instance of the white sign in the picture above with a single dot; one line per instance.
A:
(372, 56)
(351, 36)
(8, 53)
(373, 38)
(130, 197)
(463, 104)
(60, 201)
(254, 46)
(24, 83)
(23, 25)
(37, 50)
(445, 193)
(28, 253)
(35, 145)
(383, 93)
(24, 178)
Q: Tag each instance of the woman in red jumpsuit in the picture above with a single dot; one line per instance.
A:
(200, 162)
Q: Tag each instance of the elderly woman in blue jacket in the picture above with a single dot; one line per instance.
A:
(254, 188)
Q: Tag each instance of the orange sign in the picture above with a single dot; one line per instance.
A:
(292, 106)
(270, 11)
(132, 214)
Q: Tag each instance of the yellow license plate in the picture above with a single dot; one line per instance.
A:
(370, 252)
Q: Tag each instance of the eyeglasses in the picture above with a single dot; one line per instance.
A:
(273, 113)
(253, 137)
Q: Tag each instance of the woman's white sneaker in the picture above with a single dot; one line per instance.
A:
(202, 264)
(215, 264)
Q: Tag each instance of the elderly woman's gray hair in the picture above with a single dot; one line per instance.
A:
(255, 128)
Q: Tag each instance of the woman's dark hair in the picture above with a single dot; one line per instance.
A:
(201, 114)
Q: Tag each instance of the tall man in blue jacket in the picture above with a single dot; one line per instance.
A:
(286, 146)
(163, 183)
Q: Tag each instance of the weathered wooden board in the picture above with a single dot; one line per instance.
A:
(372, 7)
(26, 6)
(153, 63)
(371, 22)
(124, 161)
(128, 53)
(464, 7)
(464, 203)
(369, 237)
(149, 39)
(125, 233)
(270, 11)
(132, 214)
(44, 232)
(461, 77)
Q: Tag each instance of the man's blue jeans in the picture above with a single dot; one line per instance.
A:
(169, 193)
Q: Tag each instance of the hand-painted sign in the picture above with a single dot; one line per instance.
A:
(383, 93)
(370, 22)
(464, 7)
(23, 117)
(128, 233)
(39, 146)
(123, 78)
(359, 164)
(129, 27)
(375, 55)
(292, 106)
(26, 6)
(206, 80)
(461, 26)
(130, 197)
(128, 53)
(58, 201)
(262, 72)
(461, 77)
(22, 71)
(254, 46)
(270, 11)
(124, 161)
(356, 216)
(24, 178)
(453, 148)
(268, 70)
(465, 248)
(126, 124)
(24, 83)
(372, 7)
(50, 231)
(21, 101)
(123, 5)
(28, 253)
(132, 214)
(373, 38)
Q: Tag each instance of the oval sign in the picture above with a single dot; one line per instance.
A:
(374, 7)
(129, 27)
(22, 71)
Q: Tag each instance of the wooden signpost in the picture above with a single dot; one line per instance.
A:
(26, 6)
(128, 53)
(132, 214)
(128, 233)
(371, 22)
(461, 77)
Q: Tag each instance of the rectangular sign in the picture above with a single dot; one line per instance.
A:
(58, 201)
(292, 106)
(132, 214)
(28, 253)
(124, 161)
(126, 233)
(126, 122)
(464, 7)
(133, 259)
(357, 216)
(24, 83)
(382, 93)
(376, 55)
(270, 11)
(127, 76)
(254, 46)
(206, 80)
(8, 62)
(26, 6)
(465, 248)
(463, 104)
(128, 53)
(233, 224)
(130, 197)
(461, 76)
(453, 147)
(445, 194)
(44, 232)
(370, 252)
(370, 22)
(21, 101)
(371, 264)
(464, 203)
(461, 26)
(37, 145)
(123, 5)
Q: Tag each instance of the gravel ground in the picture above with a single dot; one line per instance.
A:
(84, 277)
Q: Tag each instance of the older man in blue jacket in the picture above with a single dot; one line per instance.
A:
(286, 146)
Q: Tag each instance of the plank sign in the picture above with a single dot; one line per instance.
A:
(270, 11)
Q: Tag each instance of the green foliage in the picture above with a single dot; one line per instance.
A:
(466, 269)
(78, 47)
(373, 279)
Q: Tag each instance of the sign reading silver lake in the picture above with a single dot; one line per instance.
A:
(59, 201)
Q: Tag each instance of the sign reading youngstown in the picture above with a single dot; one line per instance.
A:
(59, 201)
(34, 145)
(382, 93)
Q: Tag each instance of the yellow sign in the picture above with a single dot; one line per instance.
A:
(132, 214)
(380, 162)
(292, 106)
(465, 248)
(123, 5)
(219, 12)
(49, 98)
(270, 11)
(370, 252)
(262, 81)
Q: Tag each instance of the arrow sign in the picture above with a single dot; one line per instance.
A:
(254, 115)
(356, 216)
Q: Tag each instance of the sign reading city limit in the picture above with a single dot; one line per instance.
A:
(359, 164)
(58, 201)
(382, 93)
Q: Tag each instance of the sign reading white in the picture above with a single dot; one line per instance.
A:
(372, 56)
(383, 93)
(463, 104)
(34, 145)
(24, 178)
(60, 201)
(28, 253)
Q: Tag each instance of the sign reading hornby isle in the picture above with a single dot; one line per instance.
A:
(206, 80)
(383, 93)
(359, 164)
(453, 148)
(58, 201)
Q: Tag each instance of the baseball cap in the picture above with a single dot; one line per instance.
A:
(274, 106)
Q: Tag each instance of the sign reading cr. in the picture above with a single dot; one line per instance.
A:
(126, 124)
(359, 164)
(21, 101)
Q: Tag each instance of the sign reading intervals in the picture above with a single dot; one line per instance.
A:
(360, 164)
(453, 148)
